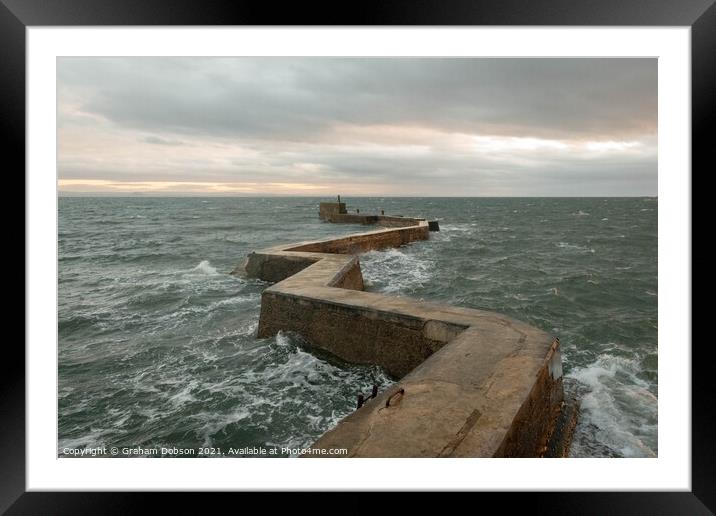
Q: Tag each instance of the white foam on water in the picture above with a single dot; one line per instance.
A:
(213, 422)
(619, 407)
(232, 301)
(283, 339)
(205, 267)
(249, 328)
(285, 382)
(448, 231)
(574, 247)
(456, 227)
(143, 381)
(90, 439)
(184, 395)
(581, 213)
(189, 311)
(394, 271)
(302, 371)
(119, 423)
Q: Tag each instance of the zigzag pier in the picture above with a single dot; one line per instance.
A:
(472, 383)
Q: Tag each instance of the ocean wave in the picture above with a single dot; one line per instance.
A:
(211, 423)
(68, 324)
(575, 247)
(194, 310)
(393, 271)
(205, 268)
(233, 301)
(460, 228)
(90, 439)
(285, 382)
(184, 395)
(618, 406)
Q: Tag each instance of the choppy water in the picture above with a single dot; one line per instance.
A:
(157, 345)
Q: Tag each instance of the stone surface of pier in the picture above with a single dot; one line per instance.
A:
(472, 383)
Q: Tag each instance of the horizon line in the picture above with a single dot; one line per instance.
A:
(193, 195)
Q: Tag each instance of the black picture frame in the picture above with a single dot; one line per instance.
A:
(17, 15)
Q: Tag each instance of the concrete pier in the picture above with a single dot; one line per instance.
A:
(472, 383)
(331, 210)
(336, 212)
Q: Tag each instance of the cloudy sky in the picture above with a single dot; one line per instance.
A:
(379, 126)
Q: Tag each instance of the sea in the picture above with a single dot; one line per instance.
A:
(157, 343)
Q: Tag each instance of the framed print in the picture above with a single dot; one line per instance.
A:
(437, 249)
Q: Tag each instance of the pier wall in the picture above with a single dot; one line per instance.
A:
(471, 383)
(363, 242)
(378, 220)
(328, 210)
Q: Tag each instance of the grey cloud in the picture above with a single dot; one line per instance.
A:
(302, 99)
(441, 173)
(261, 119)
